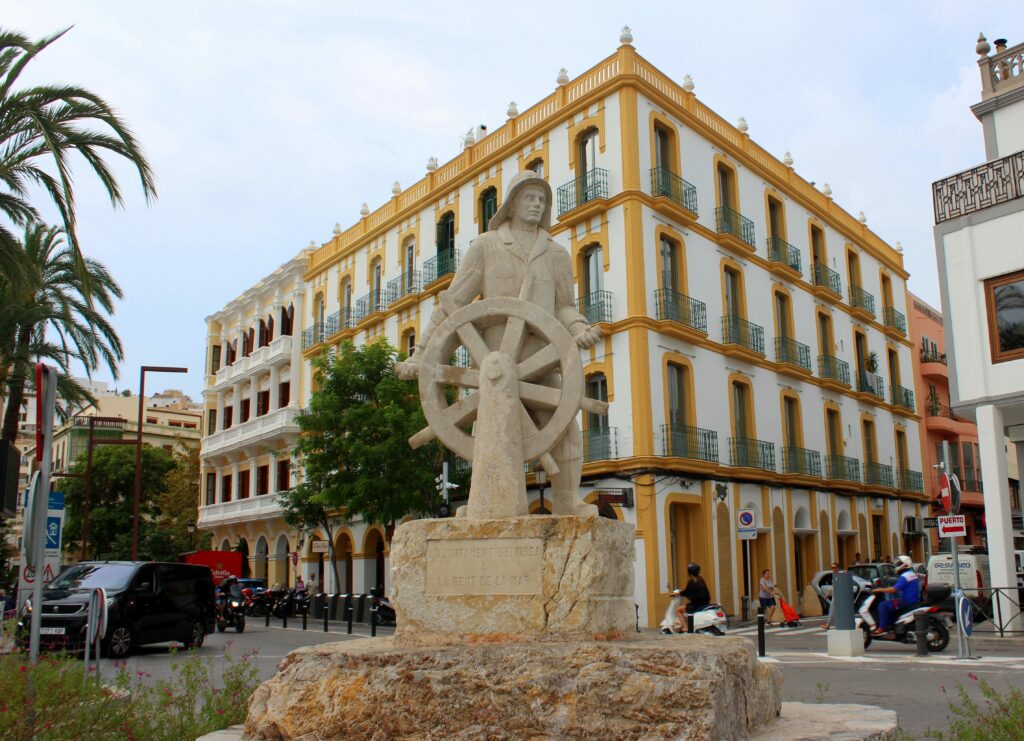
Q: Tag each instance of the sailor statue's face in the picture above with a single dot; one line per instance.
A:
(530, 204)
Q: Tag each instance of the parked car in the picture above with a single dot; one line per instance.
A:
(256, 585)
(821, 583)
(147, 602)
(879, 574)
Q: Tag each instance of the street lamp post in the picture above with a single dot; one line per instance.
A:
(191, 527)
(542, 479)
(138, 447)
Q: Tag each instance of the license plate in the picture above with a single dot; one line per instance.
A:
(51, 631)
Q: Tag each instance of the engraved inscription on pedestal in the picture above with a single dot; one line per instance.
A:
(484, 566)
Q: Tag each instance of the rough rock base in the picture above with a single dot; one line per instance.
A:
(680, 687)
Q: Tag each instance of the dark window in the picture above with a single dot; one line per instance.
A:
(283, 470)
(243, 484)
(284, 390)
(1004, 297)
(287, 315)
(262, 403)
(229, 413)
(262, 480)
(243, 415)
(488, 207)
(214, 358)
(225, 488)
(211, 488)
(211, 421)
(446, 235)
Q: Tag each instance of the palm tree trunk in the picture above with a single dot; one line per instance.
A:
(17, 381)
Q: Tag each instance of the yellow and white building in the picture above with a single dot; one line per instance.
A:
(755, 351)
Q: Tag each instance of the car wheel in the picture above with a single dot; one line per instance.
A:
(119, 642)
(239, 623)
(196, 636)
(867, 636)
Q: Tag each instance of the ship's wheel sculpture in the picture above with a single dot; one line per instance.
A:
(513, 404)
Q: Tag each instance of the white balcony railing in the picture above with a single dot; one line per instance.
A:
(253, 508)
(257, 430)
(262, 358)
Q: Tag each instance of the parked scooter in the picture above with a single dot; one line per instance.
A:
(903, 628)
(710, 620)
(381, 609)
(230, 610)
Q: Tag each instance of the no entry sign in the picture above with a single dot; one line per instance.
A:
(953, 526)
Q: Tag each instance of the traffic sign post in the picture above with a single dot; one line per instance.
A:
(953, 526)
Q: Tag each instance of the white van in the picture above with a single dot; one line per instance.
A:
(974, 572)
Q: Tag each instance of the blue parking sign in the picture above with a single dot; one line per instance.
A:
(53, 533)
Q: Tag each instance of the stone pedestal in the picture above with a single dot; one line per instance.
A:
(523, 579)
(671, 687)
(845, 642)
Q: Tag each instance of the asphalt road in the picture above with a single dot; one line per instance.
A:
(889, 675)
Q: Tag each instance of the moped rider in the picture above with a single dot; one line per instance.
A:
(908, 594)
(696, 593)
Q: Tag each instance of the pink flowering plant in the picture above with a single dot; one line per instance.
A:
(996, 717)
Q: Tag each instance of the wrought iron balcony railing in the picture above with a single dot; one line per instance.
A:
(834, 369)
(871, 383)
(801, 461)
(738, 331)
(600, 444)
(979, 188)
(732, 222)
(788, 350)
(587, 187)
(878, 474)
(894, 319)
(683, 441)
(440, 265)
(930, 356)
(828, 278)
(911, 481)
(779, 250)
(332, 324)
(842, 468)
(972, 485)
(596, 307)
(861, 299)
(313, 335)
(371, 303)
(404, 285)
(934, 409)
(750, 453)
(903, 397)
(667, 183)
(678, 307)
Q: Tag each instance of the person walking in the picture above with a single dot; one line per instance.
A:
(766, 593)
(311, 587)
(832, 598)
(299, 584)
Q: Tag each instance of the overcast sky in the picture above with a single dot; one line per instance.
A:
(267, 122)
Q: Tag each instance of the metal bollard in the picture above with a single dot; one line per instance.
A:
(689, 622)
(327, 614)
(373, 621)
(305, 616)
(351, 613)
(284, 618)
(921, 633)
(268, 616)
(637, 616)
(760, 631)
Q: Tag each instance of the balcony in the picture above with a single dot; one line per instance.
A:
(894, 320)
(678, 307)
(972, 485)
(911, 481)
(979, 188)
(940, 418)
(862, 301)
(254, 432)
(587, 187)
(831, 368)
(933, 365)
(668, 184)
(736, 224)
(683, 441)
(442, 264)
(878, 474)
(842, 468)
(746, 452)
(801, 461)
(871, 383)
(601, 444)
(596, 307)
(782, 252)
(828, 280)
(738, 331)
(407, 284)
(791, 352)
(313, 335)
(903, 398)
(371, 303)
(260, 507)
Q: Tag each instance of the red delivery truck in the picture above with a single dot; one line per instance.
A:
(222, 563)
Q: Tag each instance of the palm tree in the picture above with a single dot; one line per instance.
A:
(50, 314)
(40, 127)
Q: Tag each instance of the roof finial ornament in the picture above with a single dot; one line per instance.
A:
(364, 211)
(688, 85)
(396, 188)
(312, 244)
(899, 247)
(826, 190)
(513, 110)
(431, 164)
(982, 48)
(563, 76)
(469, 140)
(742, 125)
(862, 218)
(626, 37)
(787, 159)
(337, 229)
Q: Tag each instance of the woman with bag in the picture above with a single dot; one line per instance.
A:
(766, 593)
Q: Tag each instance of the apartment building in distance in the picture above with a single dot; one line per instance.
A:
(755, 351)
(979, 245)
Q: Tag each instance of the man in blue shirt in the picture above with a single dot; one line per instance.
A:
(907, 590)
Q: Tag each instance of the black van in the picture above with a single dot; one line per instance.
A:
(147, 602)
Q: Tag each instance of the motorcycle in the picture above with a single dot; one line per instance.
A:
(710, 620)
(903, 630)
(230, 612)
(381, 609)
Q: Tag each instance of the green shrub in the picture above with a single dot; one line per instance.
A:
(998, 717)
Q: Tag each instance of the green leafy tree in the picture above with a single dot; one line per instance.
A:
(354, 448)
(41, 127)
(112, 500)
(303, 508)
(179, 504)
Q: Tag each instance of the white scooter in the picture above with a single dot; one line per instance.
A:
(710, 620)
(903, 628)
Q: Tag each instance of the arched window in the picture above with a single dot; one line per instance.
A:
(263, 341)
(678, 383)
(410, 342)
(586, 152)
(597, 438)
(446, 236)
(488, 207)
(376, 285)
(270, 329)
(537, 166)
(409, 279)
(346, 301)
(670, 273)
(287, 317)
